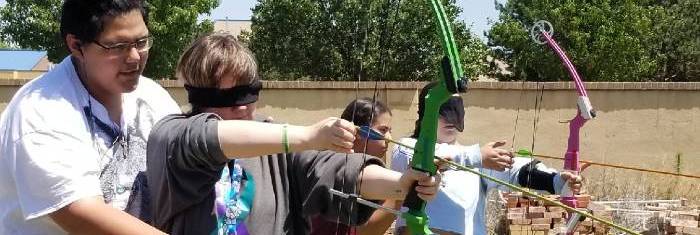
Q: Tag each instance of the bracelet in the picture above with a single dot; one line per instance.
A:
(285, 141)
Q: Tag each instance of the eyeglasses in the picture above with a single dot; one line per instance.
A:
(123, 48)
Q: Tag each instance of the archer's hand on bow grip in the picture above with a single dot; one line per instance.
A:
(573, 181)
(421, 183)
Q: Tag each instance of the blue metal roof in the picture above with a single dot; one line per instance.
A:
(19, 59)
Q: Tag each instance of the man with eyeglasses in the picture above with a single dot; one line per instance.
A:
(73, 141)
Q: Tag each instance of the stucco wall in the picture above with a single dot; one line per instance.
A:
(8, 74)
(650, 125)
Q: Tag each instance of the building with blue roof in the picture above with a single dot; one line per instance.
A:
(22, 60)
(23, 64)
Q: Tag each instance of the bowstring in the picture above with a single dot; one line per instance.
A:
(383, 43)
(360, 70)
(537, 110)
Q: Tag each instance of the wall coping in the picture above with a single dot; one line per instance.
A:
(403, 85)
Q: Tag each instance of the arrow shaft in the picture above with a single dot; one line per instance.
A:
(364, 202)
(621, 167)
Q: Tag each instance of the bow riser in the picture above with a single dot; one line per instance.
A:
(425, 146)
(571, 160)
(423, 155)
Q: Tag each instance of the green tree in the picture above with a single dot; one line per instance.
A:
(3, 44)
(679, 44)
(607, 40)
(371, 39)
(174, 24)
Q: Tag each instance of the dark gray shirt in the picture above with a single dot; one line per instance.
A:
(185, 161)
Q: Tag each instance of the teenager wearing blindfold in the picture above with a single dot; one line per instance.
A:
(207, 172)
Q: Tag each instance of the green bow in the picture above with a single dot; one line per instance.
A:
(451, 82)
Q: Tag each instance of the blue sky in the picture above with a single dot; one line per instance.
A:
(475, 12)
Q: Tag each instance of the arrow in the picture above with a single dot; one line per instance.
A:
(527, 153)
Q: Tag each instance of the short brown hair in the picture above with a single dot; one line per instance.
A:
(213, 56)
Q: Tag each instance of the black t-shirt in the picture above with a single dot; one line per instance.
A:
(185, 162)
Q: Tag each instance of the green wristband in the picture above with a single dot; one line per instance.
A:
(285, 141)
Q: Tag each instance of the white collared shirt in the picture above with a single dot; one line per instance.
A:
(51, 154)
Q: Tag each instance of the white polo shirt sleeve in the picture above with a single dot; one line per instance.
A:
(53, 169)
(401, 156)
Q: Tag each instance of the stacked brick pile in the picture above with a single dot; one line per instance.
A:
(528, 216)
(669, 218)
(681, 222)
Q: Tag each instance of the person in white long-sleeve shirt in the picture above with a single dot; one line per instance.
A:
(459, 207)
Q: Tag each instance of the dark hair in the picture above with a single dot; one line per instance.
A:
(86, 18)
(452, 110)
(361, 109)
